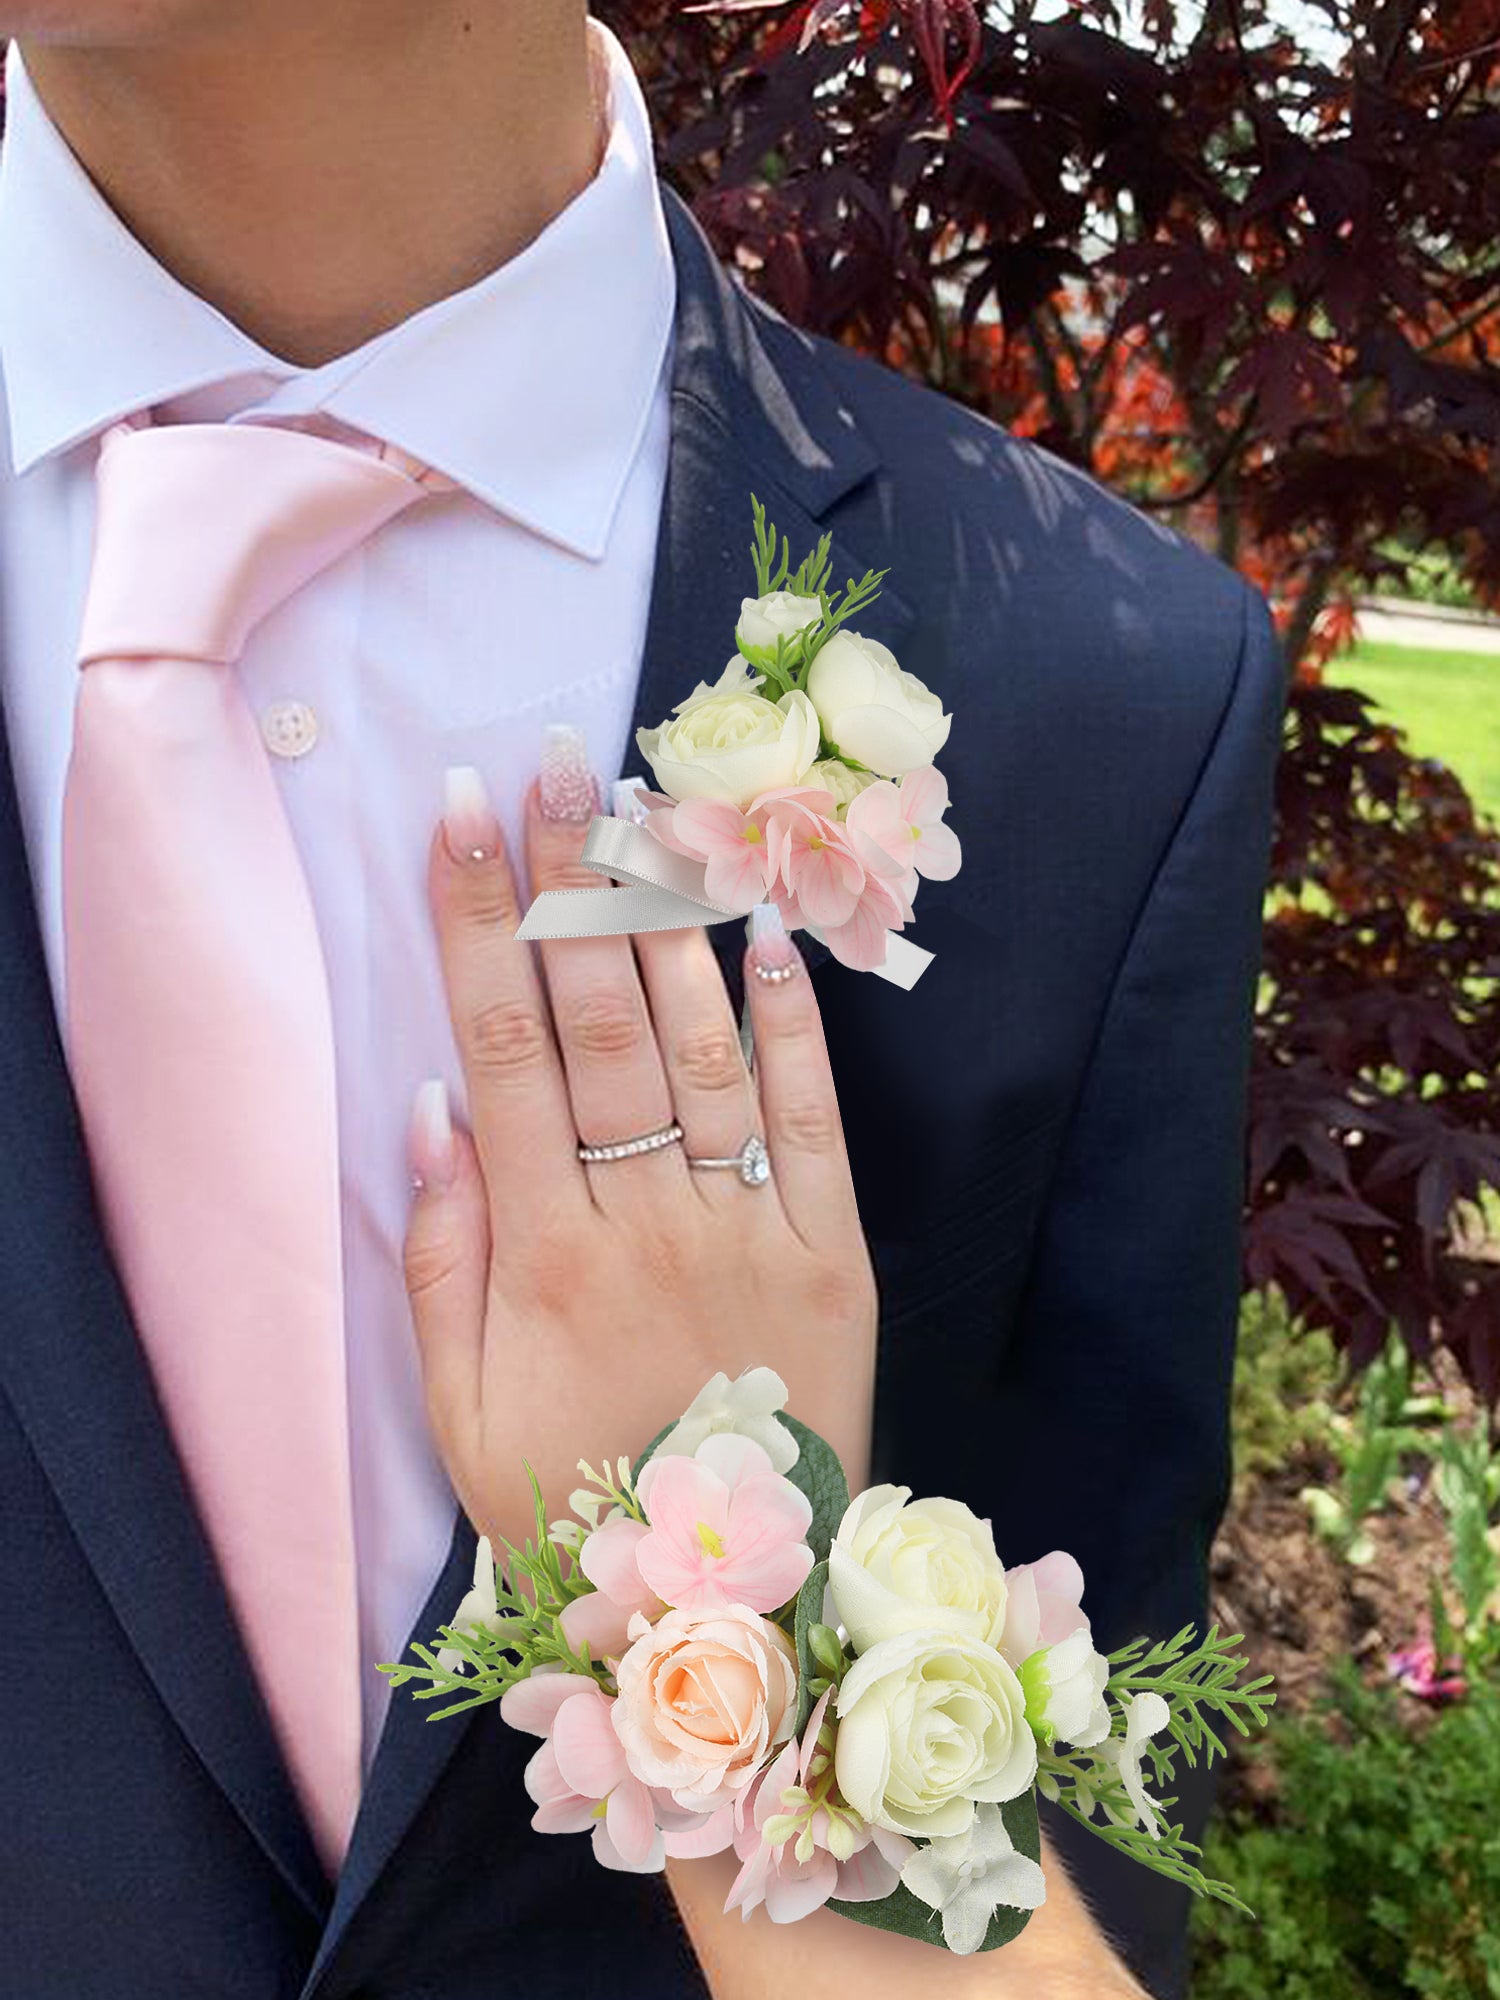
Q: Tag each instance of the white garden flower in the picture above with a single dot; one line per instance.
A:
(780, 614)
(898, 1564)
(928, 1723)
(968, 1875)
(1064, 1687)
(730, 742)
(872, 710)
(479, 1610)
(1145, 1714)
(747, 1405)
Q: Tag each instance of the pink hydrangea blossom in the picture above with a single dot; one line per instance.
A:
(601, 1616)
(725, 1527)
(795, 1875)
(906, 821)
(580, 1780)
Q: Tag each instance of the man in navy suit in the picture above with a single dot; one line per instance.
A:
(401, 216)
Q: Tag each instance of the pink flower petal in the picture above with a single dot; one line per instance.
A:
(597, 1621)
(924, 796)
(710, 826)
(631, 1823)
(937, 855)
(738, 881)
(607, 1559)
(796, 1888)
(609, 1856)
(533, 1704)
(589, 1753)
(712, 1837)
(866, 1876)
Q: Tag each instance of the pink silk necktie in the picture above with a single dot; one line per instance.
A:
(200, 1039)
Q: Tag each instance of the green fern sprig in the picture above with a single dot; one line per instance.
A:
(1194, 1681)
(530, 1636)
(1080, 1786)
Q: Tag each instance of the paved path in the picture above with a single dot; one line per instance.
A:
(1399, 624)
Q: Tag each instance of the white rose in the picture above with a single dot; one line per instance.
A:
(846, 785)
(729, 742)
(1064, 1689)
(928, 1724)
(780, 614)
(898, 1564)
(872, 709)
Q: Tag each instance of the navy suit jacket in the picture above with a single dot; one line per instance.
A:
(1048, 1143)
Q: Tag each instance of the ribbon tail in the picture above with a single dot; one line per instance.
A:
(904, 964)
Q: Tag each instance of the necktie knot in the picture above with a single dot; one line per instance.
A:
(201, 530)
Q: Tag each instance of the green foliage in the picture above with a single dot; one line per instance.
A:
(820, 1476)
(1286, 1376)
(1369, 1444)
(1381, 1880)
(902, 1911)
(1468, 1490)
(808, 1618)
(787, 667)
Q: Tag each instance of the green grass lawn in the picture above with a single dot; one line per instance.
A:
(1447, 703)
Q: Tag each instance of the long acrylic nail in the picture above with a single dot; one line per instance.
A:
(772, 953)
(565, 785)
(430, 1150)
(470, 829)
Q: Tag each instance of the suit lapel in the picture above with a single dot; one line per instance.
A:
(744, 420)
(71, 1362)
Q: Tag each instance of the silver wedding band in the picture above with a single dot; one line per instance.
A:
(627, 1149)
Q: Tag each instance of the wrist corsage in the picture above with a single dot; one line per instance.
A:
(720, 1649)
(803, 776)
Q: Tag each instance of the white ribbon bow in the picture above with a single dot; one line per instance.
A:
(664, 892)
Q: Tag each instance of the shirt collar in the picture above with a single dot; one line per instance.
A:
(522, 386)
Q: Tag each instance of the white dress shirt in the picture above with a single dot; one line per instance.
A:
(452, 637)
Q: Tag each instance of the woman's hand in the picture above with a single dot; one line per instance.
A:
(566, 1310)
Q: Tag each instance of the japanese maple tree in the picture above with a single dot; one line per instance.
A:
(1254, 284)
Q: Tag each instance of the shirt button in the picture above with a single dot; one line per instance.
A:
(290, 728)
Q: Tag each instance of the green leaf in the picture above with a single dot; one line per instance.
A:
(902, 1911)
(821, 1477)
(809, 1613)
(635, 1470)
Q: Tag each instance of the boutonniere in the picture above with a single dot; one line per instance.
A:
(803, 776)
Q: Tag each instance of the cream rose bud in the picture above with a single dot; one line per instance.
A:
(846, 785)
(1064, 1689)
(729, 742)
(898, 1564)
(780, 614)
(928, 1724)
(872, 710)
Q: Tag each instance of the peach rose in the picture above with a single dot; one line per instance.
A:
(703, 1697)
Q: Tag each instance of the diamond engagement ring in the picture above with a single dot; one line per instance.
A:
(626, 1149)
(752, 1162)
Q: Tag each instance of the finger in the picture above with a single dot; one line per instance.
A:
(446, 1258)
(616, 1079)
(519, 1111)
(803, 1129)
(700, 1045)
